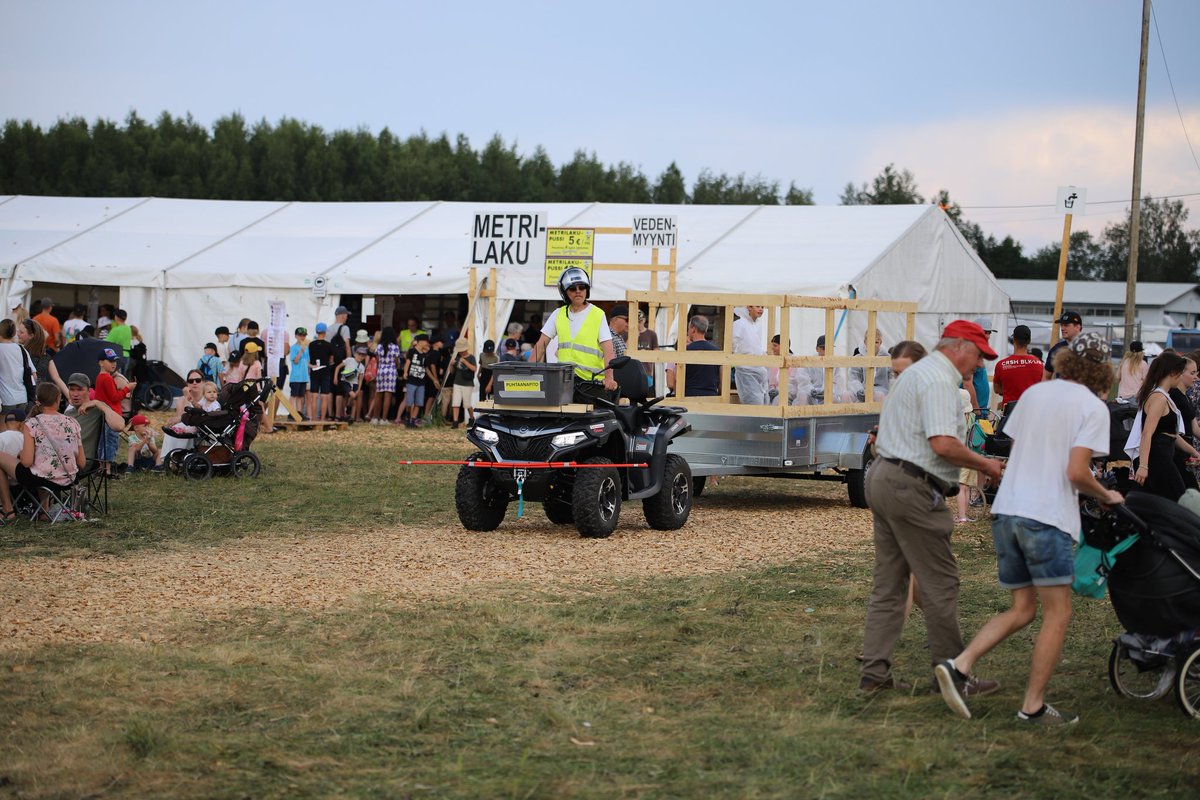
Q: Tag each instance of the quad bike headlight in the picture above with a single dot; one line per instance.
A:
(491, 437)
(568, 439)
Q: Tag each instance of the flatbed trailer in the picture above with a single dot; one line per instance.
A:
(782, 440)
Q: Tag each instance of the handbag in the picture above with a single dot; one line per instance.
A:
(1092, 566)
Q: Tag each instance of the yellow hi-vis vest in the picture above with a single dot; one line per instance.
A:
(583, 350)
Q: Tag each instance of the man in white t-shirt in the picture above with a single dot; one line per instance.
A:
(1057, 428)
(749, 338)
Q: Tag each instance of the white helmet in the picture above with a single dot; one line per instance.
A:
(573, 276)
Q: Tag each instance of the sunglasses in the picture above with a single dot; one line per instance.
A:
(195, 380)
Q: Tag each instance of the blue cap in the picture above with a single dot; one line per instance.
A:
(107, 354)
(321, 327)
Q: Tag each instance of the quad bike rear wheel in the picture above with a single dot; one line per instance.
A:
(669, 509)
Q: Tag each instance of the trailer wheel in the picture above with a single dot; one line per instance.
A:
(856, 480)
(480, 503)
(669, 509)
(596, 500)
(698, 485)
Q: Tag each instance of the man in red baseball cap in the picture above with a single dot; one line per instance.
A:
(920, 448)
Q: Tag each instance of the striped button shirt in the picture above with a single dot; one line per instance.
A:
(923, 402)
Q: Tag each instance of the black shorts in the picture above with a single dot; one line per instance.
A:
(322, 381)
(26, 478)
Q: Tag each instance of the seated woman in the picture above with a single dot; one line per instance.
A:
(192, 397)
(51, 455)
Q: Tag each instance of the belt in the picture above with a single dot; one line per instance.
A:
(912, 469)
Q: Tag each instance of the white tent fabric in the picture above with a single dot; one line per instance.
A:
(185, 266)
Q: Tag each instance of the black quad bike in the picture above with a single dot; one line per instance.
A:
(572, 461)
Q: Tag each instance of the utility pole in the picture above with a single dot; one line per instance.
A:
(1135, 211)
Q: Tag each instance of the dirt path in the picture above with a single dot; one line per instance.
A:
(143, 597)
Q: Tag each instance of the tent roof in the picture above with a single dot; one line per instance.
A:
(908, 252)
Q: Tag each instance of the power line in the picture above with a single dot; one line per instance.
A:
(1090, 202)
(1171, 83)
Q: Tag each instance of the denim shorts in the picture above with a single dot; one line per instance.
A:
(1031, 552)
(416, 394)
(106, 448)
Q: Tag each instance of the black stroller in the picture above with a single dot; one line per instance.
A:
(223, 437)
(1155, 591)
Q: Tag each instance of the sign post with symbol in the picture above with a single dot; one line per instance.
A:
(1071, 200)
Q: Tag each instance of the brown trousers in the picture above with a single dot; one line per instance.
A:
(912, 535)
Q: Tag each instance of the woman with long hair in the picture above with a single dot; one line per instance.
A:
(1161, 425)
(52, 454)
(32, 336)
(1131, 373)
(386, 373)
(15, 365)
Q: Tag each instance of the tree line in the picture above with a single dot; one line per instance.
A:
(296, 161)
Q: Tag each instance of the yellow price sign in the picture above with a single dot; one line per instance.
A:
(523, 386)
(570, 242)
(556, 266)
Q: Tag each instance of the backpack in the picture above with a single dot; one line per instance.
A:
(339, 343)
(209, 368)
(371, 369)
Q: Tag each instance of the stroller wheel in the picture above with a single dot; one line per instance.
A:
(197, 467)
(1132, 679)
(245, 465)
(1187, 684)
(175, 461)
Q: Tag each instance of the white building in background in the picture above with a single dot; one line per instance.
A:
(1161, 307)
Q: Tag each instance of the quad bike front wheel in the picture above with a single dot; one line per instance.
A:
(480, 503)
(669, 509)
(596, 500)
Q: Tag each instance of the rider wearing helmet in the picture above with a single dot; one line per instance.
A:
(583, 335)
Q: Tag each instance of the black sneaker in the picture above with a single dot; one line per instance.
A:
(952, 684)
(1049, 716)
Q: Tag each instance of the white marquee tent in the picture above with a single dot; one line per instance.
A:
(185, 266)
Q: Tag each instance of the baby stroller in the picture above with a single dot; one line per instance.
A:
(1155, 591)
(223, 437)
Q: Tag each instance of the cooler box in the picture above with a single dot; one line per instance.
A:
(523, 383)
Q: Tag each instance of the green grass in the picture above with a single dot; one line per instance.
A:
(737, 685)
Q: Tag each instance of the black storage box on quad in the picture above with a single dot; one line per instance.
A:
(522, 383)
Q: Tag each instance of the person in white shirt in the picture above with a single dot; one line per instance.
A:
(749, 338)
(1057, 428)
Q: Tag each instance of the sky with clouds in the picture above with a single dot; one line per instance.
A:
(1000, 102)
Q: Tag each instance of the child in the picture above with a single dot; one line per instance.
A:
(349, 378)
(108, 393)
(298, 370)
(222, 334)
(143, 452)
(209, 403)
(210, 364)
(418, 363)
(966, 477)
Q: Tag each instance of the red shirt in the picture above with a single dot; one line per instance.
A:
(1015, 374)
(106, 391)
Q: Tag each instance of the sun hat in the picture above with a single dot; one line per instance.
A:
(973, 333)
(1091, 346)
(362, 337)
(462, 346)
